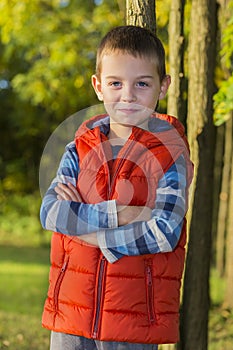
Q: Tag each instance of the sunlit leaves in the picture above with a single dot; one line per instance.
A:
(223, 102)
(57, 43)
(223, 99)
(162, 12)
(47, 57)
(227, 50)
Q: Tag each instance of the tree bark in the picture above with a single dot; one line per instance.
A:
(201, 135)
(141, 13)
(176, 104)
(224, 200)
(229, 246)
(218, 175)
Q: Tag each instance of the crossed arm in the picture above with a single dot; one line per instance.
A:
(125, 214)
(117, 230)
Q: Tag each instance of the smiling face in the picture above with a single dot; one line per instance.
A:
(130, 88)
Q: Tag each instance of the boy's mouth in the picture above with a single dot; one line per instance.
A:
(128, 110)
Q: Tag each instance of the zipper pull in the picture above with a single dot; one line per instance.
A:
(64, 266)
(149, 276)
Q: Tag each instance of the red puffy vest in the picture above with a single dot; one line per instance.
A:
(137, 298)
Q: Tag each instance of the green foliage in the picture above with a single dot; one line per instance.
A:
(227, 40)
(47, 57)
(223, 102)
(223, 99)
(57, 41)
(217, 288)
(19, 221)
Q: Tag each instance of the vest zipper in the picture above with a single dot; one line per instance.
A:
(58, 284)
(150, 293)
(121, 161)
(99, 296)
(102, 265)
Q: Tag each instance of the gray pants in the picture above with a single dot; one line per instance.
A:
(62, 341)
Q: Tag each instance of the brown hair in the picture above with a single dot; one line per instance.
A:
(134, 40)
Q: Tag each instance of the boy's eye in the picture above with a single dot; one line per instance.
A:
(142, 84)
(115, 84)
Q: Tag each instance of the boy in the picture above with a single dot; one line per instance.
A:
(118, 207)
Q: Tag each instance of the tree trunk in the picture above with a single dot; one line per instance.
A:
(224, 197)
(201, 135)
(229, 246)
(141, 13)
(224, 200)
(218, 175)
(176, 105)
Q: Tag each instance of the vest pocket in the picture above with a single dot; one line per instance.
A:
(149, 290)
(59, 282)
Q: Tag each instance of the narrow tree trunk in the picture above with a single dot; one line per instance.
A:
(141, 13)
(223, 212)
(201, 135)
(224, 200)
(176, 105)
(218, 172)
(229, 246)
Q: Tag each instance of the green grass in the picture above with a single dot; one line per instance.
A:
(220, 329)
(22, 332)
(23, 287)
(24, 275)
(220, 318)
(24, 268)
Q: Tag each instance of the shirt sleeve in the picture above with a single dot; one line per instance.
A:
(162, 232)
(74, 218)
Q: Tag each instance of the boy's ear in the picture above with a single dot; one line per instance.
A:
(164, 86)
(97, 87)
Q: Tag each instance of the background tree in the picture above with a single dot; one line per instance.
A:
(223, 114)
(229, 245)
(176, 104)
(223, 199)
(201, 135)
(141, 13)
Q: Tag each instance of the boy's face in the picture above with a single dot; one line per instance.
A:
(130, 88)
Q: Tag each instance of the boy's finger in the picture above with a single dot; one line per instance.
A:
(64, 188)
(60, 198)
(75, 192)
(68, 192)
(61, 195)
(64, 192)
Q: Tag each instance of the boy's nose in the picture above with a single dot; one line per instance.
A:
(128, 95)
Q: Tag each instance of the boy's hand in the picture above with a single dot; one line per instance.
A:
(129, 214)
(67, 192)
